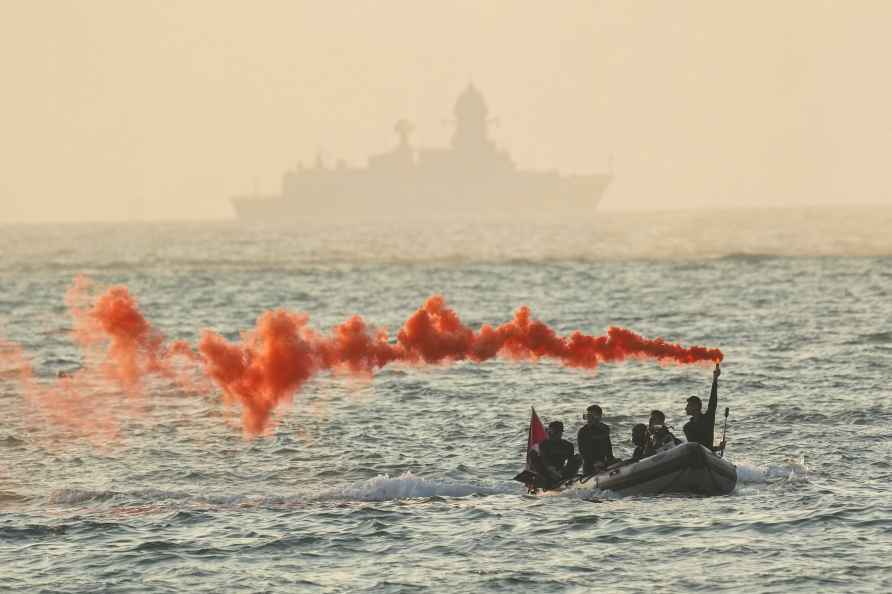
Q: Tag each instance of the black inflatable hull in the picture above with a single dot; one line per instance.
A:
(687, 468)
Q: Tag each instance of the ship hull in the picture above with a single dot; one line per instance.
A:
(522, 194)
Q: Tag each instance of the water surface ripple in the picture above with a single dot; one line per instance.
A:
(402, 483)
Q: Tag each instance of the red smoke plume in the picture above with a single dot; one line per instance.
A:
(70, 403)
(271, 363)
(282, 353)
(119, 351)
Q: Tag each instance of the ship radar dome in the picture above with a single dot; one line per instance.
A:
(470, 104)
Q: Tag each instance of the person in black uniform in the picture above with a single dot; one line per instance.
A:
(594, 442)
(556, 461)
(639, 438)
(658, 434)
(700, 429)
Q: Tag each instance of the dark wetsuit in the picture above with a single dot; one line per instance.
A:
(556, 454)
(595, 447)
(638, 454)
(701, 429)
(657, 439)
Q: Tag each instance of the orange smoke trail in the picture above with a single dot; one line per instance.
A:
(434, 333)
(272, 362)
(119, 347)
(282, 353)
(112, 329)
(69, 403)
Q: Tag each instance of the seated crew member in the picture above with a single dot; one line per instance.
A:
(594, 444)
(556, 461)
(700, 429)
(658, 434)
(639, 438)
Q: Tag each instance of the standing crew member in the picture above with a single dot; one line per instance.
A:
(594, 442)
(700, 429)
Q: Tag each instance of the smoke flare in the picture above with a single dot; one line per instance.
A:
(274, 360)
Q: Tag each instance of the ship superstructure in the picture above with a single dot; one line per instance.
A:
(470, 176)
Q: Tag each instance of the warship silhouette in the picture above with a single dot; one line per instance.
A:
(470, 177)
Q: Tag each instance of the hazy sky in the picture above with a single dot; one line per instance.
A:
(153, 109)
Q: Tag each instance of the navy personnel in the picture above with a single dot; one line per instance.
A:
(556, 460)
(700, 429)
(658, 434)
(594, 442)
(639, 438)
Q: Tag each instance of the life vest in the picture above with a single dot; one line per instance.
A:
(661, 439)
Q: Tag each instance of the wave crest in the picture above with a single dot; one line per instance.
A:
(409, 486)
(792, 470)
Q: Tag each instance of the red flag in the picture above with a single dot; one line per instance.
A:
(535, 436)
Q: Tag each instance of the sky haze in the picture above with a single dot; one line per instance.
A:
(158, 110)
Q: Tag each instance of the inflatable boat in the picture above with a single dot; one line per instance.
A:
(685, 468)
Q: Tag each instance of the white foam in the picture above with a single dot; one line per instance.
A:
(747, 473)
(586, 492)
(409, 486)
(792, 470)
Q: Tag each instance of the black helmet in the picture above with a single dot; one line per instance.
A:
(593, 411)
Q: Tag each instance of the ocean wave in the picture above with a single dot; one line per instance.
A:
(11, 441)
(29, 532)
(586, 492)
(68, 496)
(873, 338)
(151, 494)
(11, 497)
(750, 473)
(409, 486)
(154, 546)
(380, 488)
(74, 496)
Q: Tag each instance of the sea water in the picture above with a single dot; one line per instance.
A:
(401, 482)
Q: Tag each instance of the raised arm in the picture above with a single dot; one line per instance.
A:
(714, 393)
